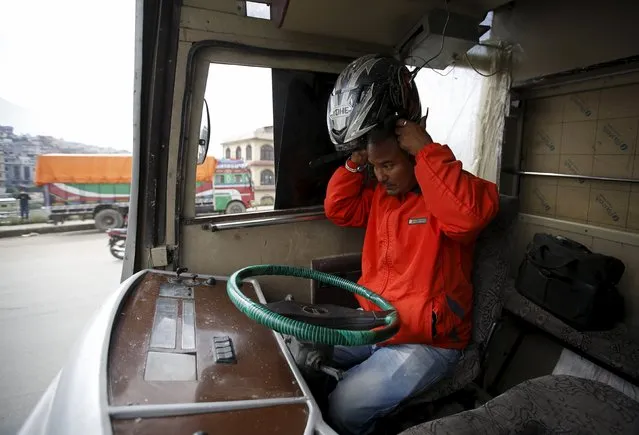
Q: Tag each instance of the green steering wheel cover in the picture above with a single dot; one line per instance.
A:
(302, 330)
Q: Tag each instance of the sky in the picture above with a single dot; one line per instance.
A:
(71, 69)
(240, 100)
(70, 65)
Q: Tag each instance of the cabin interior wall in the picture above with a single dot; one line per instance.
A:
(591, 132)
(551, 36)
(224, 252)
(587, 127)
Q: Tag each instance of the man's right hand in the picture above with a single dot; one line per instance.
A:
(360, 158)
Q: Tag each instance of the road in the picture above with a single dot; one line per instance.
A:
(50, 287)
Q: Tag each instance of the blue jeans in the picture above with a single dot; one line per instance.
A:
(381, 380)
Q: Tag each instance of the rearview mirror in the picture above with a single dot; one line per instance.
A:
(205, 134)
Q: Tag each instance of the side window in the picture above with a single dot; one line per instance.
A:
(454, 98)
(262, 150)
(238, 130)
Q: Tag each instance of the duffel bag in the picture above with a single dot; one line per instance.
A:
(571, 282)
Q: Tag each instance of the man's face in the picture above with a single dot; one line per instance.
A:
(393, 168)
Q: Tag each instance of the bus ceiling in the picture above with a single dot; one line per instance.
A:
(408, 28)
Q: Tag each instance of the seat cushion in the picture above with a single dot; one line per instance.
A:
(490, 272)
(617, 348)
(545, 405)
(490, 269)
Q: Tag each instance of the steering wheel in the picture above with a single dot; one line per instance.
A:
(325, 324)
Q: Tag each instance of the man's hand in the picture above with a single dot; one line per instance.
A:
(360, 158)
(412, 137)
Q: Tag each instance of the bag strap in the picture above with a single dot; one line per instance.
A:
(572, 244)
(541, 250)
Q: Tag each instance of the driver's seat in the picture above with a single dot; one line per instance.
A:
(490, 277)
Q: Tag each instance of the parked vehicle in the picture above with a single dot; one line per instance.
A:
(117, 242)
(231, 191)
(97, 186)
(8, 207)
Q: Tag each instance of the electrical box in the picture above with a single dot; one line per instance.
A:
(424, 41)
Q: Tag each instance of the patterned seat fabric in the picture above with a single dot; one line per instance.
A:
(490, 273)
(618, 347)
(545, 405)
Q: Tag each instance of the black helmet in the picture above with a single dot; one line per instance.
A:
(371, 90)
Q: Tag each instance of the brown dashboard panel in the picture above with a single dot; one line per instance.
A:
(277, 420)
(163, 343)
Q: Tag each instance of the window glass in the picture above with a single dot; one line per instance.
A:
(267, 178)
(453, 97)
(267, 153)
(241, 109)
(267, 127)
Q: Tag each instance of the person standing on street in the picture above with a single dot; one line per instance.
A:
(24, 199)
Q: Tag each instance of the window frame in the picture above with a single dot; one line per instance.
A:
(271, 175)
(201, 55)
(271, 151)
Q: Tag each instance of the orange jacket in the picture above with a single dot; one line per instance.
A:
(418, 250)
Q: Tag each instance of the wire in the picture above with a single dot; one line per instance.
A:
(441, 48)
(478, 72)
(443, 75)
(433, 69)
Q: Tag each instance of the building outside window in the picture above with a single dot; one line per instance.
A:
(261, 165)
(266, 153)
(267, 177)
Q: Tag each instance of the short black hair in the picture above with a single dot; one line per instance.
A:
(381, 133)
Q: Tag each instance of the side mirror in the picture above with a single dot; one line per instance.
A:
(205, 134)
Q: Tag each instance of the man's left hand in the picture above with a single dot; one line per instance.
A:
(412, 137)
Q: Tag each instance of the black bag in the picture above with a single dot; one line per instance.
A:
(571, 282)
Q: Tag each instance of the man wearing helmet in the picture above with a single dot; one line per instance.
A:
(421, 218)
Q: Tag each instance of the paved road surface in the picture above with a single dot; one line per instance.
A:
(50, 286)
